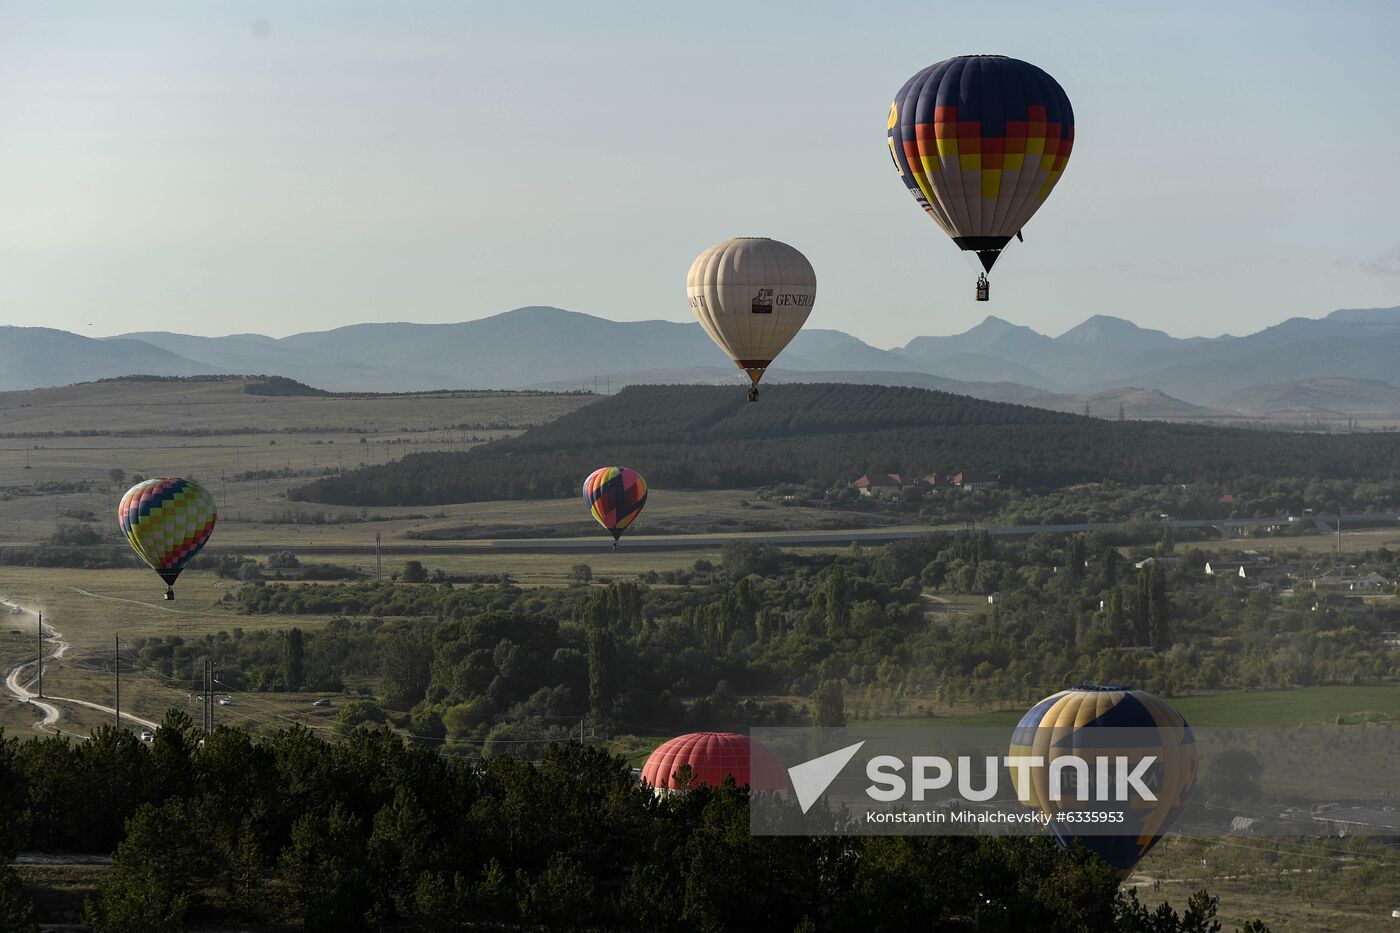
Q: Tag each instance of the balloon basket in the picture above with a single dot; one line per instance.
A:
(169, 594)
(984, 289)
(753, 395)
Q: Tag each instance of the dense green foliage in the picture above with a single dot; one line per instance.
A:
(701, 437)
(371, 834)
(761, 638)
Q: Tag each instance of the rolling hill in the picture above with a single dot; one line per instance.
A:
(703, 437)
(36, 357)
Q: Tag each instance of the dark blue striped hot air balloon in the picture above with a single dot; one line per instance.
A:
(1091, 721)
(980, 141)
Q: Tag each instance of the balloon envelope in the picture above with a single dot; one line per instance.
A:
(980, 141)
(615, 496)
(1092, 720)
(713, 756)
(167, 520)
(752, 295)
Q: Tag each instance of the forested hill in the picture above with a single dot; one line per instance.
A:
(709, 437)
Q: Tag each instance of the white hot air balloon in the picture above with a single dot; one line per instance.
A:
(752, 295)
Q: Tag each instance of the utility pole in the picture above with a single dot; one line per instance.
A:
(378, 561)
(117, 668)
(1339, 531)
(41, 656)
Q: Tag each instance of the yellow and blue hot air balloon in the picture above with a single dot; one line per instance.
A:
(980, 141)
(167, 520)
(615, 495)
(1090, 721)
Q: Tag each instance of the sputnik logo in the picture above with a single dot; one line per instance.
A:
(811, 778)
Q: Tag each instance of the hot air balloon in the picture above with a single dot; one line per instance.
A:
(167, 521)
(980, 141)
(1091, 721)
(615, 495)
(752, 295)
(711, 757)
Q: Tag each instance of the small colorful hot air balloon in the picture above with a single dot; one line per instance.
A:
(1093, 722)
(752, 295)
(980, 141)
(615, 495)
(167, 521)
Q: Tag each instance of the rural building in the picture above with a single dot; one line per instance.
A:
(872, 483)
(994, 598)
(1166, 563)
(1346, 579)
(937, 481)
(973, 480)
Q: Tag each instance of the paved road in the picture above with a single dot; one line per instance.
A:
(790, 539)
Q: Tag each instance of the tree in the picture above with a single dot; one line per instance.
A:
(561, 896)
(16, 909)
(1158, 610)
(156, 872)
(405, 666)
(580, 574)
(293, 659)
(838, 602)
(117, 475)
(602, 651)
(414, 572)
(327, 869)
(357, 713)
(829, 705)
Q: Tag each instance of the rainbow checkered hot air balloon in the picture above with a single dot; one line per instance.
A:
(167, 520)
(615, 495)
(1095, 722)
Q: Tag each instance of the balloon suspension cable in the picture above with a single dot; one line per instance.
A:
(984, 288)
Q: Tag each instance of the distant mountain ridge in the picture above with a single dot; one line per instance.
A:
(996, 359)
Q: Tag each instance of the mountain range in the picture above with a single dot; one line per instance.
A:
(1346, 364)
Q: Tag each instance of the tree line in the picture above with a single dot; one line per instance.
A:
(370, 834)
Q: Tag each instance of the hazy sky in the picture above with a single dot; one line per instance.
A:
(214, 168)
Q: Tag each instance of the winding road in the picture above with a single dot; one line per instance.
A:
(18, 683)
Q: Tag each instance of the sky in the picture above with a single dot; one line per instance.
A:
(215, 168)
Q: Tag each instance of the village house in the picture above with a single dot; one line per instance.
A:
(973, 480)
(874, 483)
(1346, 578)
(937, 482)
